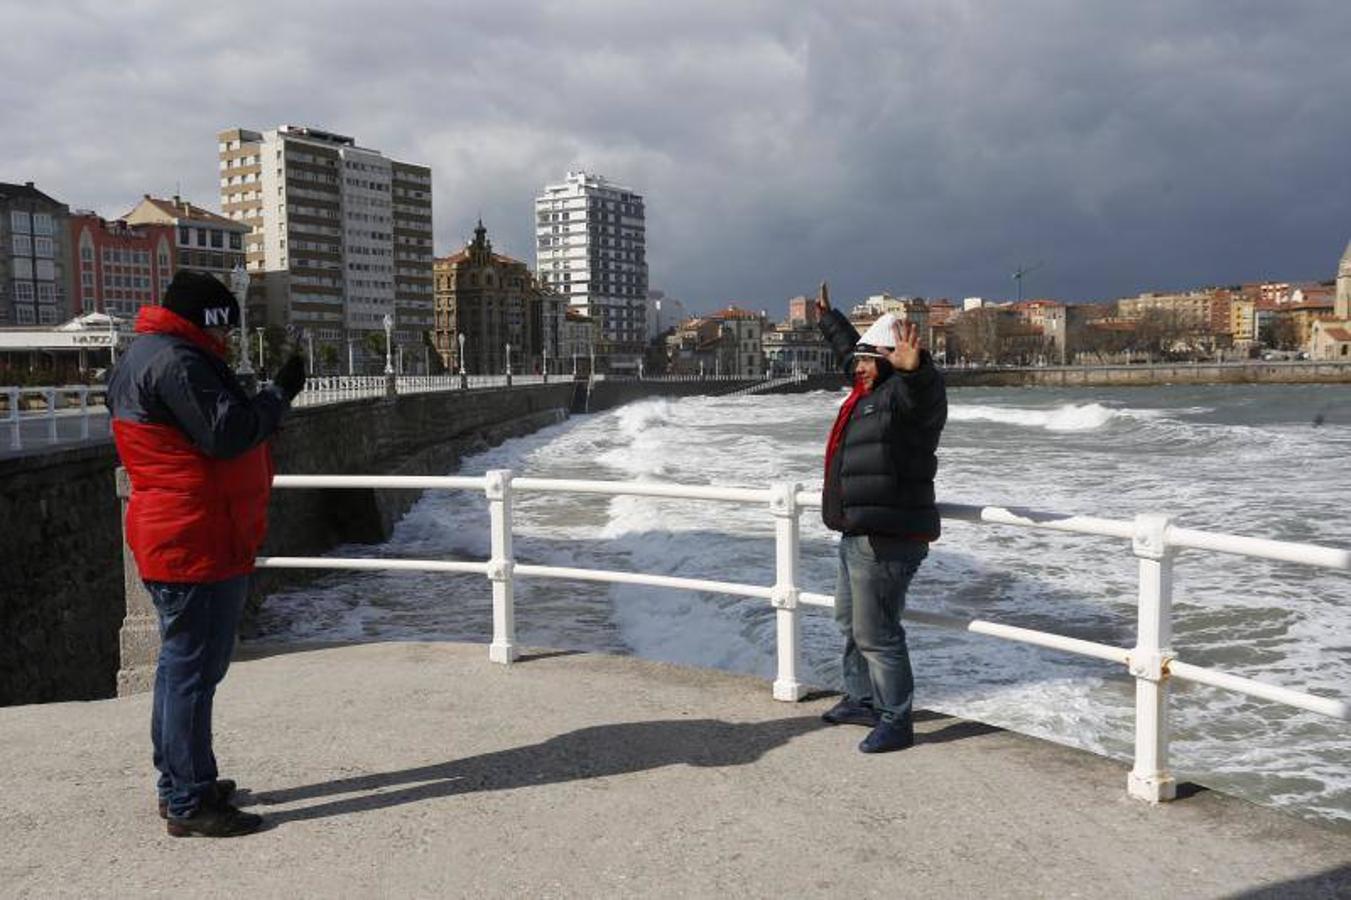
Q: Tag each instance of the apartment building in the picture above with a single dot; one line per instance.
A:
(591, 248)
(35, 258)
(339, 236)
(121, 267)
(203, 241)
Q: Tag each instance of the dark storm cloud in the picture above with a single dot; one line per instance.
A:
(913, 147)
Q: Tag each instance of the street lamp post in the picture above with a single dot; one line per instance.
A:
(464, 377)
(351, 363)
(309, 344)
(391, 383)
(399, 369)
(239, 284)
(262, 360)
(389, 354)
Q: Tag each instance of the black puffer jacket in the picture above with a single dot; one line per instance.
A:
(881, 479)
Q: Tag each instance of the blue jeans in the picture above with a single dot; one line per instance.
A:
(874, 575)
(197, 625)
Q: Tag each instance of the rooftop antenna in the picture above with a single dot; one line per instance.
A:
(1020, 272)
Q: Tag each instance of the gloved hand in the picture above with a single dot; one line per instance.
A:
(290, 378)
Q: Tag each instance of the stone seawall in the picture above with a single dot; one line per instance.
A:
(1153, 375)
(63, 593)
(61, 583)
(1118, 376)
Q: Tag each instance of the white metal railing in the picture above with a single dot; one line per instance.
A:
(57, 403)
(324, 389)
(1154, 540)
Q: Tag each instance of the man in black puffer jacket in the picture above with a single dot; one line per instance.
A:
(879, 492)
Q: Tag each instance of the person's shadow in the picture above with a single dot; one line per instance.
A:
(593, 752)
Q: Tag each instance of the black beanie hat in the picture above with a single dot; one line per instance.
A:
(202, 300)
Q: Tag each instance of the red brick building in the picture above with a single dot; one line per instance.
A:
(119, 267)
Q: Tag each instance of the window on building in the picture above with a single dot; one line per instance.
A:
(23, 245)
(23, 292)
(43, 247)
(19, 221)
(184, 235)
(24, 315)
(46, 292)
(201, 236)
(42, 223)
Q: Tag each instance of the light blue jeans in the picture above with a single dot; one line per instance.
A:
(875, 573)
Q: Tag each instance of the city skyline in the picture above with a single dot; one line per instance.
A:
(927, 149)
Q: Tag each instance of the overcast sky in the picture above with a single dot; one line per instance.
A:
(915, 147)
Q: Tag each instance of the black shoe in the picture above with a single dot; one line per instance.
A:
(847, 712)
(221, 820)
(220, 792)
(888, 736)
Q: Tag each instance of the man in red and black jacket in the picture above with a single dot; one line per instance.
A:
(879, 492)
(195, 447)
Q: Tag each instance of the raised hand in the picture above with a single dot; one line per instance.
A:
(823, 299)
(904, 357)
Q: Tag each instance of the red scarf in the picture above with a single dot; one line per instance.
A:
(842, 419)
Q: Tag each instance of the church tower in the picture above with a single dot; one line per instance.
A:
(1342, 305)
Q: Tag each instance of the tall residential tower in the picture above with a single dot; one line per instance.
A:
(340, 235)
(591, 247)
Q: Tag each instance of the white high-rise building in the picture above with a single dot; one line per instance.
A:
(340, 235)
(591, 247)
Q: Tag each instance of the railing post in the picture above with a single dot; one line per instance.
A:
(50, 393)
(783, 504)
(1150, 779)
(15, 441)
(84, 413)
(498, 489)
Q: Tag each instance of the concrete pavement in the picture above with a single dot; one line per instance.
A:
(424, 770)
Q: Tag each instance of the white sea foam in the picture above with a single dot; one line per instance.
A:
(1068, 417)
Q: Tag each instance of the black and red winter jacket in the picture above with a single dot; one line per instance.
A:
(195, 447)
(881, 456)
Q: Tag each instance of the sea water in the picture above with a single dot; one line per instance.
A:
(1241, 459)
